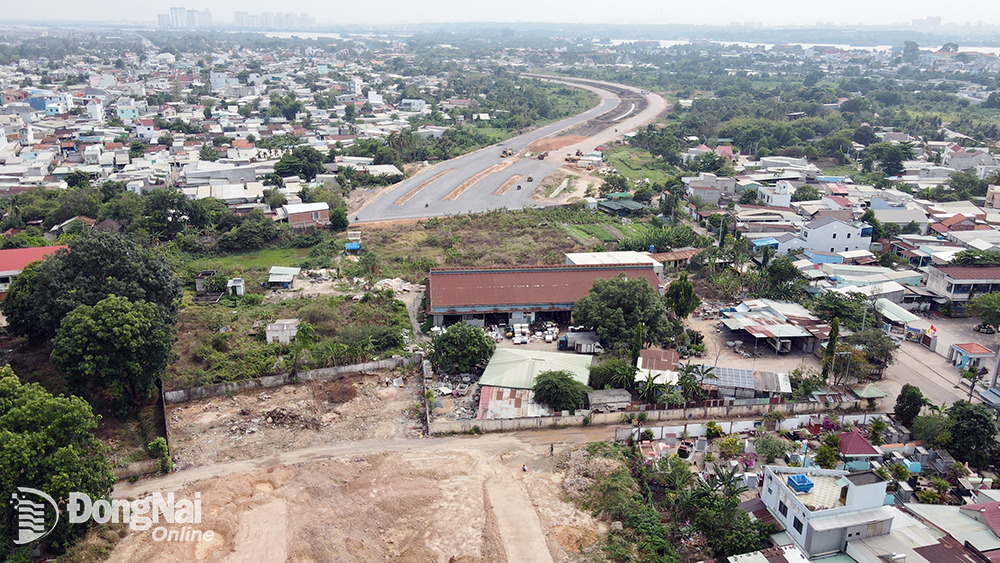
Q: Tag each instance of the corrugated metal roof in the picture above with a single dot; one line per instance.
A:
(517, 368)
(559, 287)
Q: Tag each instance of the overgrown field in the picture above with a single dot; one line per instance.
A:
(226, 341)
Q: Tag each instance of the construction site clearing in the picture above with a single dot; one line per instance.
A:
(261, 422)
(456, 500)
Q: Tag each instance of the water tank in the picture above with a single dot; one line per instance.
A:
(800, 483)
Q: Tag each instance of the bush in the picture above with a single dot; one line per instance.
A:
(730, 446)
(559, 390)
(713, 430)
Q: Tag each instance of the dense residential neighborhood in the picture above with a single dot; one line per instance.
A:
(471, 293)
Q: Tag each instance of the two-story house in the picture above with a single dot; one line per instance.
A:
(823, 509)
(778, 196)
(959, 283)
(708, 187)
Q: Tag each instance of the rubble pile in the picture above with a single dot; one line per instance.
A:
(397, 285)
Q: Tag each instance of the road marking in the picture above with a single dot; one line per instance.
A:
(419, 187)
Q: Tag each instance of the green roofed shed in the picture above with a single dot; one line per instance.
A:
(517, 368)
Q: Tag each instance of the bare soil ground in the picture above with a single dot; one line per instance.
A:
(456, 503)
(555, 143)
(259, 423)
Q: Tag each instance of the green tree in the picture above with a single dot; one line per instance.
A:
(831, 347)
(908, 404)
(613, 372)
(806, 193)
(680, 297)
(826, 456)
(750, 197)
(117, 345)
(208, 153)
(613, 307)
(46, 443)
(136, 150)
(461, 348)
(911, 51)
(933, 430)
(771, 447)
(306, 162)
(560, 391)
(879, 348)
(97, 265)
(973, 433)
(876, 431)
(78, 179)
(986, 306)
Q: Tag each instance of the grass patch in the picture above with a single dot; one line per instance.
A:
(635, 163)
(257, 259)
(844, 170)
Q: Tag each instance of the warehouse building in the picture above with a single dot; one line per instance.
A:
(509, 295)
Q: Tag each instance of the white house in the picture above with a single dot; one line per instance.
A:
(144, 129)
(833, 235)
(778, 196)
(282, 331)
(823, 509)
(709, 187)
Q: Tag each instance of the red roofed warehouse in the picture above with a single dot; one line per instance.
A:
(508, 295)
(14, 260)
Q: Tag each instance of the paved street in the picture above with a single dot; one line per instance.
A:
(423, 194)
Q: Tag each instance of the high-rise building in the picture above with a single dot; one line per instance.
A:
(178, 17)
(163, 20)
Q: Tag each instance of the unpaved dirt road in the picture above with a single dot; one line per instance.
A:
(462, 499)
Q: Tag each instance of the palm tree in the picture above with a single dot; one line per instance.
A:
(726, 480)
(650, 389)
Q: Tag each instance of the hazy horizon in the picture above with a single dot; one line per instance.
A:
(770, 13)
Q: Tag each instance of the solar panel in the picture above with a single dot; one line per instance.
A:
(734, 377)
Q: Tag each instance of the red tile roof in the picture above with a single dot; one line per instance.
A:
(659, 360)
(541, 287)
(854, 444)
(16, 259)
(974, 349)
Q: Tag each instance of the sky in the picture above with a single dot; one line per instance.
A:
(769, 12)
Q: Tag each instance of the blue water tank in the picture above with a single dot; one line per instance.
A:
(652, 249)
(800, 483)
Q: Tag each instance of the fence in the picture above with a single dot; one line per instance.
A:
(713, 410)
(697, 429)
(206, 391)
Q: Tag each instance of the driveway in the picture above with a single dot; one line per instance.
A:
(481, 180)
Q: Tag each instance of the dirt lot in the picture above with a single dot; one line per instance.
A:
(555, 143)
(459, 500)
(259, 423)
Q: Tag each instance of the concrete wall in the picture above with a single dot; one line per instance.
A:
(703, 413)
(206, 391)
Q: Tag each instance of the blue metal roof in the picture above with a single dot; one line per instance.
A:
(352, 246)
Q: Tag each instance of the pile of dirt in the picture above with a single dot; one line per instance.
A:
(705, 289)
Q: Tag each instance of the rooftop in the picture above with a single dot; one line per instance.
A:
(853, 444)
(557, 287)
(13, 260)
(970, 272)
(974, 349)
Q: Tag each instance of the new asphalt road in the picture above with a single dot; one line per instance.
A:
(484, 180)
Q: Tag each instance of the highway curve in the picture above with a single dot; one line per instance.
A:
(404, 201)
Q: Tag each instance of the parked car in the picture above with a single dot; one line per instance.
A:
(984, 328)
